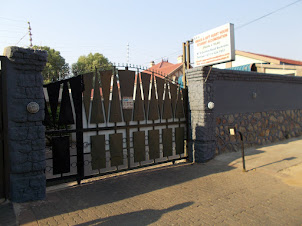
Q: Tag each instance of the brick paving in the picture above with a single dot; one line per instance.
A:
(217, 192)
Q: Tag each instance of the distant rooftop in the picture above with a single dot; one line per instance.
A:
(281, 60)
(164, 68)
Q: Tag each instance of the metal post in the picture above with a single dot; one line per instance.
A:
(242, 152)
(188, 55)
(76, 85)
(184, 64)
(4, 134)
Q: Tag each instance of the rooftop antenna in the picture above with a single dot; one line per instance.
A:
(30, 35)
(128, 54)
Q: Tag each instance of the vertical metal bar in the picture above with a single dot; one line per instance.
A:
(242, 152)
(187, 113)
(184, 64)
(139, 80)
(186, 50)
(128, 144)
(188, 55)
(79, 137)
(3, 87)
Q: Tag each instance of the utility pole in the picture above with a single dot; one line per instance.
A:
(30, 35)
(186, 59)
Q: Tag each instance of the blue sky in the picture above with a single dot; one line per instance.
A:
(153, 29)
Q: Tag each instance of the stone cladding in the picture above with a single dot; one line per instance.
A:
(26, 133)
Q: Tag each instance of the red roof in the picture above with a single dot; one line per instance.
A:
(282, 60)
(164, 68)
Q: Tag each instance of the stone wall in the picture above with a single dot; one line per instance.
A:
(26, 134)
(265, 108)
(258, 128)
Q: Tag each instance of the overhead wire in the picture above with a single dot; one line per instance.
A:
(268, 14)
(22, 38)
(5, 18)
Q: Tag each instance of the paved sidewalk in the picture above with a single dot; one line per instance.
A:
(7, 214)
(217, 192)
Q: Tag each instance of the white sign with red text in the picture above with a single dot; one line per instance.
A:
(214, 46)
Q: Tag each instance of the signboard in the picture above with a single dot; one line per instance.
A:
(214, 46)
(127, 103)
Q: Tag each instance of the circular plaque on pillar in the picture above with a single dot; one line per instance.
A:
(211, 105)
(33, 107)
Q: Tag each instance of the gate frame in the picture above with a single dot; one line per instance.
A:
(79, 132)
(4, 129)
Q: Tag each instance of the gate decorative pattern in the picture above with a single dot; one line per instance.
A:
(107, 121)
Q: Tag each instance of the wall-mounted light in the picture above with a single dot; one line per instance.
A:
(33, 107)
(232, 131)
(254, 95)
(211, 105)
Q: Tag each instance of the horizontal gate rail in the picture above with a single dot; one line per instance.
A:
(118, 127)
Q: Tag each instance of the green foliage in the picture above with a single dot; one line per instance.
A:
(56, 68)
(88, 63)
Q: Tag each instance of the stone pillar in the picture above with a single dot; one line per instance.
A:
(202, 126)
(26, 134)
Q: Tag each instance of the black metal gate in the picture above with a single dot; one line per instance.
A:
(3, 150)
(107, 121)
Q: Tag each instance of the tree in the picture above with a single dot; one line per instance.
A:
(56, 67)
(88, 63)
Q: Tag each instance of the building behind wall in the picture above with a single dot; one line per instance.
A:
(166, 69)
(246, 61)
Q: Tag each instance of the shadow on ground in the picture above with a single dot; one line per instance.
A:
(143, 217)
(122, 187)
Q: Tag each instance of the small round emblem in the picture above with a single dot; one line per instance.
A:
(33, 107)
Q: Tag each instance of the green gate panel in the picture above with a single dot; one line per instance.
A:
(53, 90)
(115, 106)
(60, 155)
(87, 79)
(97, 115)
(126, 79)
(153, 141)
(146, 85)
(179, 112)
(179, 140)
(167, 142)
(138, 104)
(173, 91)
(105, 82)
(66, 115)
(116, 149)
(153, 107)
(160, 83)
(139, 146)
(167, 111)
(47, 119)
(98, 153)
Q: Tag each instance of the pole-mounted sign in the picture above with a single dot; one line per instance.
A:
(214, 46)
